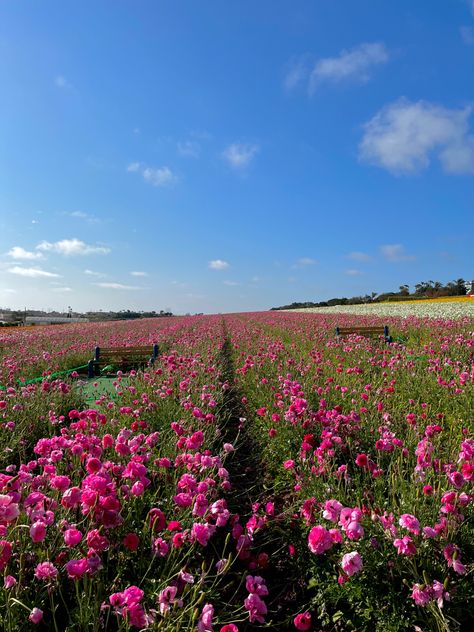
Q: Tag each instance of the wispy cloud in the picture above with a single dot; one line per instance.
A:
(61, 289)
(118, 286)
(61, 82)
(304, 262)
(139, 274)
(296, 72)
(359, 256)
(17, 252)
(134, 166)
(467, 34)
(158, 177)
(72, 247)
(87, 217)
(189, 149)
(353, 272)
(240, 155)
(395, 253)
(32, 273)
(95, 274)
(354, 65)
(218, 264)
(404, 135)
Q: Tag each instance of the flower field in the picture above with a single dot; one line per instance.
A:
(261, 474)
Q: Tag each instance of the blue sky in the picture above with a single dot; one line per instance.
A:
(229, 156)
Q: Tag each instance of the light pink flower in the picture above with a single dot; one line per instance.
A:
(351, 563)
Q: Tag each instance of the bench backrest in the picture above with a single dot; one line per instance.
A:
(108, 353)
(372, 330)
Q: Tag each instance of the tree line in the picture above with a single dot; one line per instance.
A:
(424, 289)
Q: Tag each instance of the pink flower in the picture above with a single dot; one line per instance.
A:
(9, 581)
(38, 531)
(319, 540)
(202, 533)
(205, 620)
(452, 555)
(76, 568)
(354, 530)
(35, 615)
(46, 571)
(256, 585)
(256, 607)
(410, 522)
(332, 509)
(72, 536)
(229, 627)
(5, 553)
(131, 541)
(302, 621)
(405, 546)
(421, 595)
(351, 563)
(9, 510)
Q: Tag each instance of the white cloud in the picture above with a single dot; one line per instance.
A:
(118, 286)
(61, 82)
(240, 155)
(93, 273)
(467, 34)
(353, 272)
(139, 274)
(134, 166)
(351, 65)
(160, 177)
(359, 256)
(395, 253)
(189, 149)
(218, 264)
(72, 247)
(403, 135)
(32, 273)
(61, 289)
(17, 252)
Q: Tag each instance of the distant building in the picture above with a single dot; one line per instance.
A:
(53, 320)
(469, 288)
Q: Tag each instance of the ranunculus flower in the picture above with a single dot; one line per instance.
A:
(351, 563)
(302, 621)
(319, 540)
(36, 615)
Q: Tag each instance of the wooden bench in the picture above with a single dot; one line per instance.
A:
(372, 330)
(121, 357)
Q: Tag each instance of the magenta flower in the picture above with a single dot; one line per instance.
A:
(302, 621)
(72, 536)
(319, 540)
